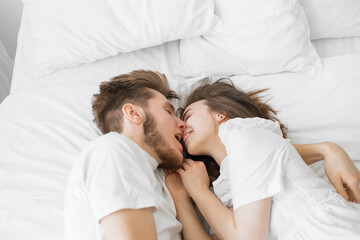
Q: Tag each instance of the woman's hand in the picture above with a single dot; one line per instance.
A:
(342, 172)
(194, 176)
(175, 186)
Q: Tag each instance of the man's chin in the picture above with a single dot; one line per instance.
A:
(173, 163)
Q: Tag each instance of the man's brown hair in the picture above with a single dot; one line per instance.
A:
(134, 88)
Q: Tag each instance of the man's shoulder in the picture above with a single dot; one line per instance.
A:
(109, 147)
(111, 140)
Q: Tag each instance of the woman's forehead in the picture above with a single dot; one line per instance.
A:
(196, 105)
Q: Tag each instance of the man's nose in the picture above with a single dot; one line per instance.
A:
(181, 124)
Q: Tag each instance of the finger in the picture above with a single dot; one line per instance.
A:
(189, 161)
(180, 171)
(339, 186)
(186, 166)
(354, 189)
(351, 196)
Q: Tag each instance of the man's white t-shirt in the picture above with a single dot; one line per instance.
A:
(111, 174)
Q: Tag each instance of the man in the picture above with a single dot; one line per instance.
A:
(116, 189)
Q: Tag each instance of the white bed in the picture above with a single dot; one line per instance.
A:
(46, 121)
(6, 67)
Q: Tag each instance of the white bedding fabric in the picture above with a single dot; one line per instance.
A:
(161, 58)
(325, 108)
(42, 131)
(258, 37)
(6, 68)
(331, 47)
(74, 32)
(332, 18)
(45, 122)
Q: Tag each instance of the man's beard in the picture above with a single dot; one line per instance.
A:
(170, 158)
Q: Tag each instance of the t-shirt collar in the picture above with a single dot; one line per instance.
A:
(153, 163)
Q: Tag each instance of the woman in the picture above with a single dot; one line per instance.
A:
(266, 190)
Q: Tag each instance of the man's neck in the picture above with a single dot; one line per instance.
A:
(140, 141)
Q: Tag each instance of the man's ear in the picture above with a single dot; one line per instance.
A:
(133, 113)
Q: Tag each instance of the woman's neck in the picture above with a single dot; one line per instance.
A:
(218, 151)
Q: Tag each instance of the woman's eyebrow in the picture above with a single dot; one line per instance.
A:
(185, 113)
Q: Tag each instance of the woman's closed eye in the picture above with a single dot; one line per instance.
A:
(187, 117)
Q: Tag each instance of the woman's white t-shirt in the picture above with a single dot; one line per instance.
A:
(260, 163)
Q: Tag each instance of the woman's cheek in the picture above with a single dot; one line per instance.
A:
(191, 148)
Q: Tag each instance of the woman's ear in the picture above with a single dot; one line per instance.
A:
(219, 117)
(133, 113)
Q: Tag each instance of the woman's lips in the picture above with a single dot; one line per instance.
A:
(186, 136)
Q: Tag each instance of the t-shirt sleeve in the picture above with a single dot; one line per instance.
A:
(257, 160)
(117, 178)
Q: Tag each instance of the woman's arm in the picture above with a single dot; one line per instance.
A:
(339, 168)
(186, 213)
(250, 221)
(312, 153)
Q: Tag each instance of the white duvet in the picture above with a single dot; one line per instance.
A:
(42, 131)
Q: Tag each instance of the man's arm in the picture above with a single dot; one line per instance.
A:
(339, 168)
(130, 224)
(186, 213)
(192, 226)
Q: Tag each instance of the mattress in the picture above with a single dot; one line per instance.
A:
(43, 129)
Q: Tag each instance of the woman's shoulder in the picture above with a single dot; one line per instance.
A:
(248, 127)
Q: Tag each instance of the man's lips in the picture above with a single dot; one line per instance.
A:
(180, 146)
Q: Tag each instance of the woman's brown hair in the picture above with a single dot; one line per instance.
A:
(223, 97)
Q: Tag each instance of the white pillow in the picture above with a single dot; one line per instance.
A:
(331, 47)
(258, 37)
(73, 32)
(332, 18)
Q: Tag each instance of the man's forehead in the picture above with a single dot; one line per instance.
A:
(162, 100)
(169, 104)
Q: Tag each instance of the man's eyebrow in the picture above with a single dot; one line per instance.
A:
(168, 104)
(185, 113)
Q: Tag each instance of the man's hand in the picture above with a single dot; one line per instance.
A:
(175, 185)
(342, 172)
(194, 176)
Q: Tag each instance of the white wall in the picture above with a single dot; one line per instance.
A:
(10, 17)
